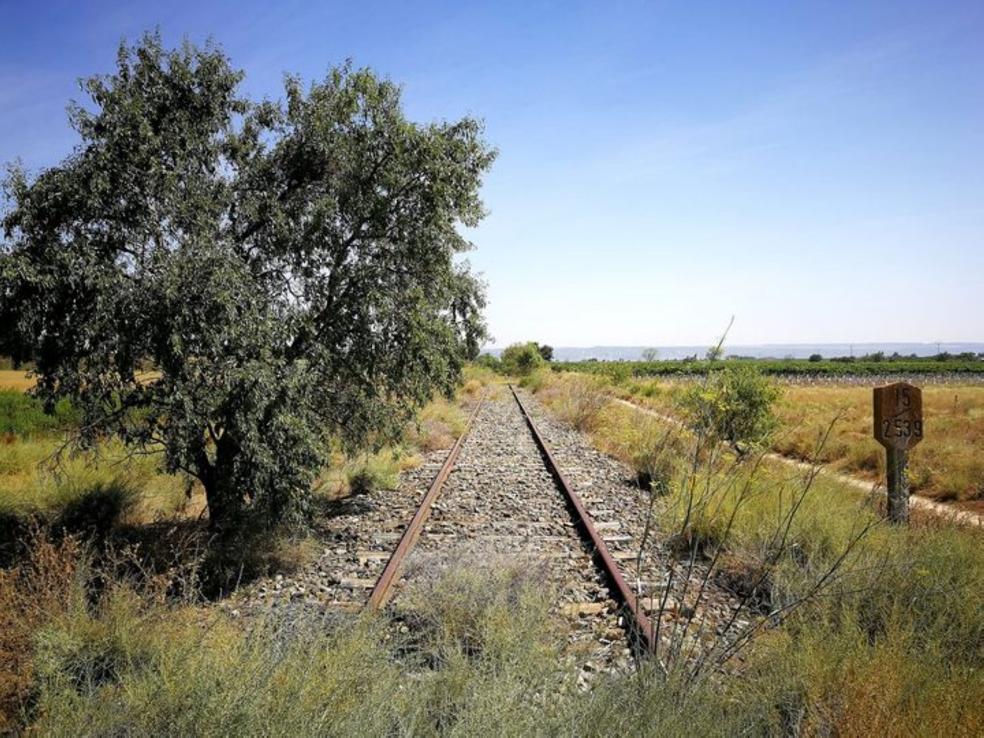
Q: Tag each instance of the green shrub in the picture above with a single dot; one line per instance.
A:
(378, 471)
(488, 361)
(537, 380)
(521, 359)
(95, 511)
(23, 415)
(735, 406)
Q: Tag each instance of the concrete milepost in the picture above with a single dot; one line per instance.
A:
(898, 427)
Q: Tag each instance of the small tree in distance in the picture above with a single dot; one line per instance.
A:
(521, 359)
(650, 354)
(714, 353)
(286, 271)
(546, 351)
(734, 405)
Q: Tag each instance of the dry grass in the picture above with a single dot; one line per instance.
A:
(16, 380)
(31, 595)
(34, 480)
(577, 398)
(476, 378)
(895, 648)
(947, 465)
(895, 644)
(365, 472)
(119, 659)
(439, 423)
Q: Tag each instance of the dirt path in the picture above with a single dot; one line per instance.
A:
(963, 517)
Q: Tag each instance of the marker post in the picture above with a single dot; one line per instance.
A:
(898, 427)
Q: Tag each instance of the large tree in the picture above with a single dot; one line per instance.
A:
(234, 282)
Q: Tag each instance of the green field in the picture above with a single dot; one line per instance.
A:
(777, 367)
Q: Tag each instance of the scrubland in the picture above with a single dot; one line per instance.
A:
(95, 641)
(947, 465)
(106, 567)
(892, 643)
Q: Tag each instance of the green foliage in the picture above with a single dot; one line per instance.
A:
(489, 362)
(714, 353)
(287, 272)
(778, 367)
(24, 416)
(735, 406)
(374, 472)
(521, 359)
(546, 351)
(536, 380)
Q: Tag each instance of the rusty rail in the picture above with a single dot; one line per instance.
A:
(381, 591)
(620, 589)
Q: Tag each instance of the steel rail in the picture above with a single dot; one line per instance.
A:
(381, 591)
(641, 625)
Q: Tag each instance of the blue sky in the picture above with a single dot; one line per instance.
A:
(816, 169)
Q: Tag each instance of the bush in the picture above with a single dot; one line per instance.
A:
(96, 511)
(735, 405)
(521, 359)
(489, 361)
(536, 381)
(578, 399)
(657, 456)
(23, 415)
(439, 423)
(380, 471)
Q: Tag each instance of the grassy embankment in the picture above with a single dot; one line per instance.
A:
(39, 484)
(98, 546)
(893, 644)
(947, 465)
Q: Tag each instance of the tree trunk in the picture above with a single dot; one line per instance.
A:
(224, 503)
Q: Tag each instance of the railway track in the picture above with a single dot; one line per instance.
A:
(516, 485)
(501, 492)
(622, 598)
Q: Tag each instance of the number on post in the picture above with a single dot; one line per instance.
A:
(898, 416)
